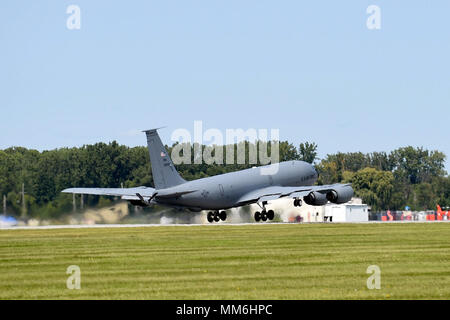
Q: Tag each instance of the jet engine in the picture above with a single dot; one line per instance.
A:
(340, 195)
(315, 199)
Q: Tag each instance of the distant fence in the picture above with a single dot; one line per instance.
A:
(406, 215)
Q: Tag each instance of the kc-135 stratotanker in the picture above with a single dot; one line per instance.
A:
(289, 179)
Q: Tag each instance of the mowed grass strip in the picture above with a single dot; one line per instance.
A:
(267, 261)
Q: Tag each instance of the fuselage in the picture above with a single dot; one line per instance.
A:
(225, 191)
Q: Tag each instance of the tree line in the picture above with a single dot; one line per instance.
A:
(407, 176)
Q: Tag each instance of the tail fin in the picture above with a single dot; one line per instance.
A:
(164, 173)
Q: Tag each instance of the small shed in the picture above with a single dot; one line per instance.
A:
(346, 212)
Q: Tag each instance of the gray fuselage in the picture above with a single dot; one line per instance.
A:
(225, 191)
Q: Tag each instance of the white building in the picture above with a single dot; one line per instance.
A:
(353, 211)
(347, 212)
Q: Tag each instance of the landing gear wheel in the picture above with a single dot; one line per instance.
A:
(257, 216)
(297, 203)
(263, 216)
(216, 216)
(210, 217)
(223, 215)
(270, 214)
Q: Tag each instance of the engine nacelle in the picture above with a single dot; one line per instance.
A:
(340, 195)
(315, 199)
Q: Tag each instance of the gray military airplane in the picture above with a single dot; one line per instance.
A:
(289, 179)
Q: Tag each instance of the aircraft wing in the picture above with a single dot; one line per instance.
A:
(125, 193)
(275, 192)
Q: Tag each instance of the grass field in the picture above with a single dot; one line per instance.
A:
(270, 261)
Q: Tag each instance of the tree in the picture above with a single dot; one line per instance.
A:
(406, 176)
(328, 172)
(287, 151)
(374, 187)
(308, 152)
(424, 197)
(380, 161)
(417, 165)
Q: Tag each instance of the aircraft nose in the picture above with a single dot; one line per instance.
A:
(309, 172)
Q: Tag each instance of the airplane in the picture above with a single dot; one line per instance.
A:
(215, 194)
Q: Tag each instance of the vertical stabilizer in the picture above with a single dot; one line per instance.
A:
(164, 173)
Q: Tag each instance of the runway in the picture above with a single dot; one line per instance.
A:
(94, 226)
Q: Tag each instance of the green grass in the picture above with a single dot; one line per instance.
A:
(270, 261)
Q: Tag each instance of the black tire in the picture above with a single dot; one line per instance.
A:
(210, 217)
(216, 217)
(264, 216)
(223, 215)
(257, 216)
(270, 214)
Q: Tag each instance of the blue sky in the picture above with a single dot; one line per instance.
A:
(311, 69)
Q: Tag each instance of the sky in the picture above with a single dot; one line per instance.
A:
(312, 69)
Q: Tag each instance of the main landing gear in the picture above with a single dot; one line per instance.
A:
(216, 216)
(297, 203)
(264, 215)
